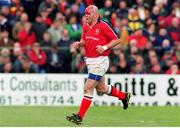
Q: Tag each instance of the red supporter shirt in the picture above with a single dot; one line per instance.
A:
(100, 34)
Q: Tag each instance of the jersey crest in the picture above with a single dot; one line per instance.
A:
(97, 31)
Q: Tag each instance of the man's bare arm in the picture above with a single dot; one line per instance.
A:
(78, 44)
(100, 49)
(113, 43)
(82, 42)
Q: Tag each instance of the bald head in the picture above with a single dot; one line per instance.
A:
(91, 9)
(91, 14)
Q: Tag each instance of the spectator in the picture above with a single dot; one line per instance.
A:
(55, 60)
(113, 18)
(45, 17)
(5, 52)
(31, 8)
(38, 57)
(5, 3)
(46, 5)
(134, 51)
(75, 12)
(15, 12)
(74, 54)
(162, 8)
(150, 33)
(16, 6)
(166, 46)
(123, 65)
(17, 53)
(117, 26)
(5, 40)
(6, 19)
(46, 41)
(134, 20)
(55, 31)
(124, 33)
(174, 30)
(166, 21)
(67, 13)
(139, 67)
(140, 39)
(5, 58)
(74, 28)
(5, 10)
(81, 7)
(62, 4)
(112, 69)
(19, 26)
(122, 11)
(162, 35)
(27, 66)
(154, 64)
(114, 57)
(156, 69)
(3, 23)
(107, 9)
(39, 28)
(173, 69)
(1, 64)
(177, 53)
(26, 36)
(142, 9)
(149, 57)
(155, 14)
(65, 40)
(62, 20)
(167, 60)
(80, 63)
(8, 68)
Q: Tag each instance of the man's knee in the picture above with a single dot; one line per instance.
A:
(101, 89)
(89, 86)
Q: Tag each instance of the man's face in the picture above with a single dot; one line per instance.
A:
(89, 16)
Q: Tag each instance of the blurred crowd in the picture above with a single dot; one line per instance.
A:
(36, 35)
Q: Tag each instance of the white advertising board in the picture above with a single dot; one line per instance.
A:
(67, 89)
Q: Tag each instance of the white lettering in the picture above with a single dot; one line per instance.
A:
(93, 38)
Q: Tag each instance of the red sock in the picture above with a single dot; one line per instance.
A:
(117, 93)
(86, 102)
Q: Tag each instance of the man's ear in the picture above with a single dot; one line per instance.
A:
(97, 16)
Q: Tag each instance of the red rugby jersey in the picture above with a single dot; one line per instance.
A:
(100, 34)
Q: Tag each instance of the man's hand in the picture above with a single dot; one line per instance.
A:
(100, 49)
(76, 44)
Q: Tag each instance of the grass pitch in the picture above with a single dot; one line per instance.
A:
(96, 116)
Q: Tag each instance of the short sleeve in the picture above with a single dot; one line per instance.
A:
(110, 32)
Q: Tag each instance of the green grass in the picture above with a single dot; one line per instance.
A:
(96, 116)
